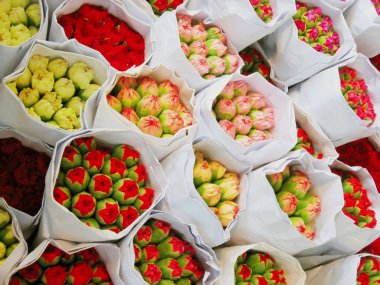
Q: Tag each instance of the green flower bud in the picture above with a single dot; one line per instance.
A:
(65, 89)
(210, 193)
(217, 169)
(275, 180)
(298, 184)
(24, 80)
(81, 74)
(17, 16)
(12, 85)
(202, 172)
(88, 92)
(34, 14)
(44, 109)
(5, 6)
(76, 104)
(5, 218)
(5, 36)
(37, 62)
(11, 248)
(20, 3)
(227, 212)
(7, 235)
(42, 81)
(287, 201)
(66, 119)
(58, 66)
(19, 33)
(54, 99)
(29, 97)
(33, 113)
(3, 250)
(229, 186)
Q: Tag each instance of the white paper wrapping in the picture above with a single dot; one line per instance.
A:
(145, 6)
(293, 60)
(259, 153)
(321, 97)
(227, 257)
(186, 231)
(12, 55)
(341, 4)
(12, 110)
(364, 25)
(340, 272)
(27, 223)
(106, 117)
(264, 221)
(56, 219)
(117, 8)
(171, 54)
(321, 142)
(242, 24)
(182, 198)
(109, 254)
(351, 238)
(19, 252)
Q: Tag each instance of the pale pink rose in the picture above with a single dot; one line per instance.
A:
(187, 118)
(185, 48)
(257, 135)
(244, 140)
(200, 63)
(184, 18)
(199, 32)
(261, 120)
(130, 115)
(232, 63)
(227, 92)
(185, 32)
(228, 127)
(216, 47)
(217, 65)
(257, 99)
(243, 104)
(198, 47)
(243, 124)
(240, 88)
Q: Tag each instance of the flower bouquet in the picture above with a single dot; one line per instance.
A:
(213, 188)
(155, 8)
(154, 102)
(316, 38)
(101, 183)
(301, 197)
(258, 264)
(345, 108)
(161, 249)
(54, 91)
(252, 119)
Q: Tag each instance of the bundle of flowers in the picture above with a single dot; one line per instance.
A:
(161, 6)
(263, 9)
(254, 62)
(162, 256)
(303, 142)
(315, 29)
(217, 187)
(8, 239)
(106, 189)
(55, 92)
(294, 195)
(368, 271)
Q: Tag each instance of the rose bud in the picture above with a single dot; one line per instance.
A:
(275, 180)
(244, 140)
(71, 158)
(243, 105)
(100, 186)
(187, 265)
(100, 273)
(115, 168)
(185, 49)
(309, 232)
(257, 135)
(93, 161)
(273, 276)
(227, 92)
(76, 104)
(216, 33)
(66, 118)
(298, 223)
(371, 266)
(198, 47)
(44, 109)
(67, 259)
(143, 236)
(257, 100)
(29, 97)
(198, 274)
(51, 256)
(200, 63)
(137, 252)
(259, 262)
(58, 66)
(125, 191)
(216, 47)
(24, 80)
(189, 249)
(199, 32)
(240, 88)
(287, 202)
(5, 218)
(114, 103)
(187, 118)
(130, 115)
(91, 223)
(309, 207)
(297, 184)
(160, 230)
(127, 154)
(243, 124)
(228, 127)
(81, 74)
(217, 65)
(31, 274)
(149, 105)
(12, 85)
(147, 87)
(128, 214)
(229, 186)
(225, 109)
(16, 280)
(150, 125)
(232, 63)
(124, 82)
(138, 173)
(151, 273)
(202, 172)
(85, 144)
(128, 97)
(227, 212)
(210, 193)
(55, 275)
(65, 89)
(170, 101)
(37, 62)
(79, 273)
(241, 258)
(77, 179)
(19, 34)
(63, 196)
(150, 254)
(145, 199)
(171, 247)
(170, 268)
(218, 170)
(83, 205)
(243, 273)
(171, 122)
(167, 87)
(107, 211)
(7, 235)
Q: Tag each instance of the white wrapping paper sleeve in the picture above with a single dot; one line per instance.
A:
(12, 110)
(341, 4)
(263, 219)
(106, 117)
(183, 200)
(56, 219)
(188, 232)
(227, 257)
(293, 60)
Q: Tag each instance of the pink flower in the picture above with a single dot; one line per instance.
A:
(200, 63)
(244, 140)
(199, 32)
(243, 104)
(243, 124)
(241, 88)
(257, 135)
(185, 48)
(228, 127)
(257, 100)
(198, 47)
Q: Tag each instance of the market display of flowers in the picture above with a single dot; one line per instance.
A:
(162, 256)
(22, 175)
(217, 187)
(95, 27)
(155, 107)
(295, 197)
(206, 48)
(55, 92)
(56, 267)
(8, 240)
(254, 62)
(161, 6)
(243, 113)
(368, 271)
(354, 90)
(19, 21)
(303, 142)
(316, 29)
(106, 189)
(263, 9)
(258, 268)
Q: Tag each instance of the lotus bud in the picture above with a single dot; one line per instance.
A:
(85, 94)
(297, 184)
(34, 14)
(24, 80)
(150, 125)
(130, 115)
(37, 62)
(12, 86)
(29, 97)
(114, 103)
(217, 65)
(17, 16)
(244, 140)
(202, 172)
(218, 170)
(229, 186)
(66, 119)
(53, 99)
(65, 89)
(287, 202)
(42, 81)
(76, 104)
(275, 181)
(81, 74)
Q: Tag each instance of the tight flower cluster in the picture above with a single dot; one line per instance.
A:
(254, 62)
(303, 142)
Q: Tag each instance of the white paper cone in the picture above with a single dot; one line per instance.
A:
(341, 4)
